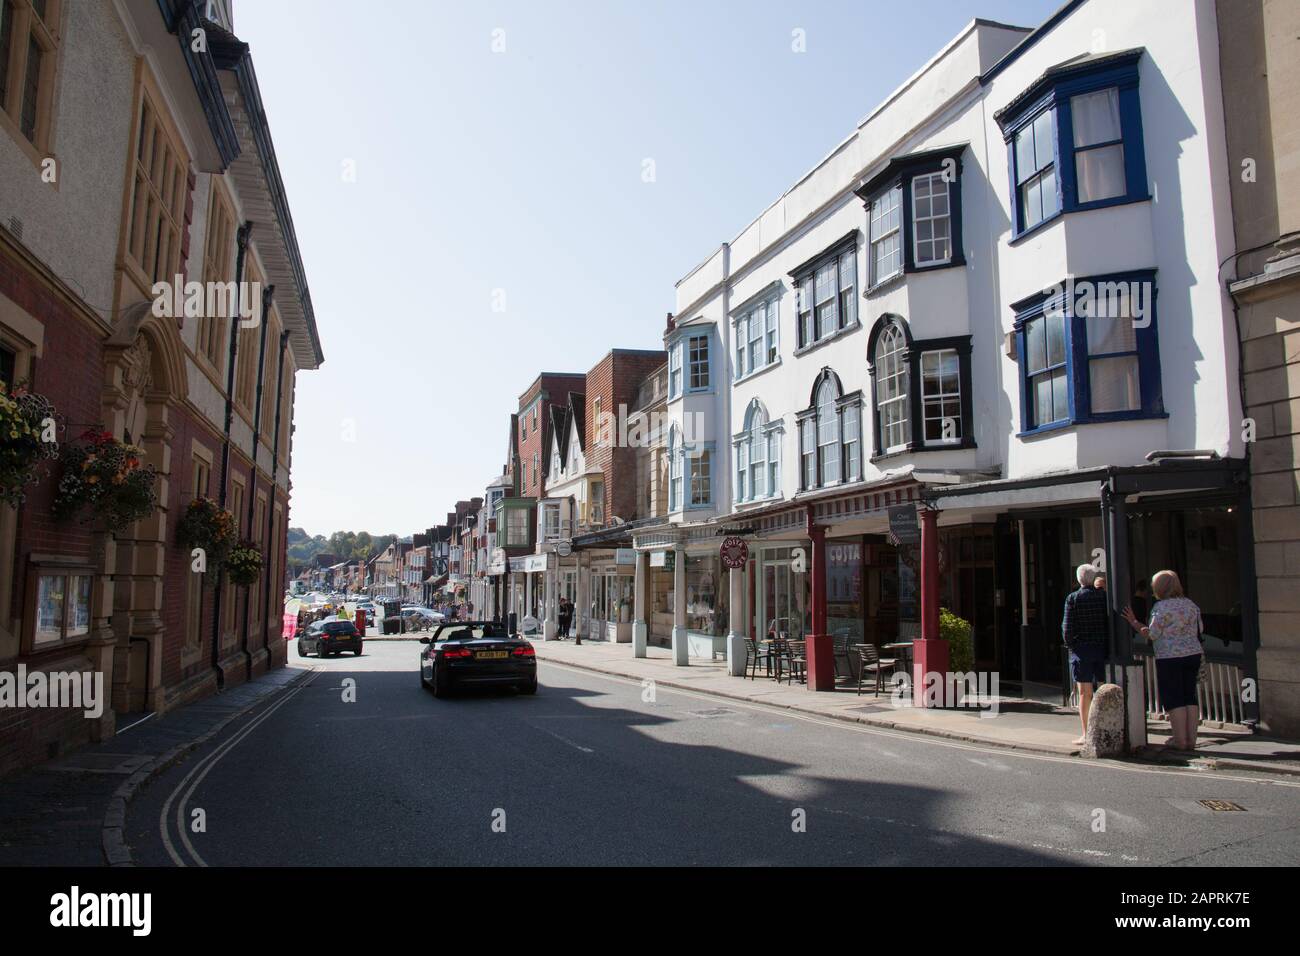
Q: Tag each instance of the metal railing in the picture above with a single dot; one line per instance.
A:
(1218, 696)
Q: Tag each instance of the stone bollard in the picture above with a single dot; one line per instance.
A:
(1105, 737)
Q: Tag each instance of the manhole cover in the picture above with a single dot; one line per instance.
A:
(1221, 805)
(715, 712)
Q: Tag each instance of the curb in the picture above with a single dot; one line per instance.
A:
(116, 850)
(1202, 763)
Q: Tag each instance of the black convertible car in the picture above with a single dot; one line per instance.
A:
(476, 654)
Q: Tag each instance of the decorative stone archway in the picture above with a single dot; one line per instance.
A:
(144, 384)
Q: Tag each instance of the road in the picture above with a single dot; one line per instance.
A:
(591, 772)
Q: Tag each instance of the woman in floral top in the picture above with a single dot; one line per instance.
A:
(1175, 633)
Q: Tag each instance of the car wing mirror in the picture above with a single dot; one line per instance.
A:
(425, 640)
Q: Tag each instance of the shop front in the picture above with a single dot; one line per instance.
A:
(611, 579)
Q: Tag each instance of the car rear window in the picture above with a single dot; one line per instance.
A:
(340, 627)
(470, 633)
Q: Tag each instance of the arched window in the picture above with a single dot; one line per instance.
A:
(830, 436)
(893, 394)
(758, 455)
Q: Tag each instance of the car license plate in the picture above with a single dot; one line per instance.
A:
(490, 655)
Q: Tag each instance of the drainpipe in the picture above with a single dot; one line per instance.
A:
(241, 240)
(275, 465)
(267, 294)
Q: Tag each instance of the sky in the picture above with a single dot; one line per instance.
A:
(486, 191)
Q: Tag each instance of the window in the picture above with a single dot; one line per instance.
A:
(158, 193)
(825, 296)
(200, 470)
(941, 396)
(1045, 371)
(674, 470)
(28, 55)
(598, 502)
(921, 390)
(1075, 140)
(1036, 183)
(700, 463)
(62, 606)
(516, 527)
(248, 347)
(755, 335)
(758, 451)
(698, 346)
(892, 390)
(1098, 145)
(886, 224)
(1088, 352)
(830, 435)
(674, 372)
(218, 266)
(931, 222)
(537, 468)
(551, 520)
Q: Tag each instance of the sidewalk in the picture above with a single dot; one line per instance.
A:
(68, 812)
(1020, 724)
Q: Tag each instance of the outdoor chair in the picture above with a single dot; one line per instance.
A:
(872, 662)
(794, 660)
(754, 656)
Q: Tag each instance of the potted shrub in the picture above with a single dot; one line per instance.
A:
(244, 565)
(957, 632)
(23, 418)
(106, 478)
(207, 525)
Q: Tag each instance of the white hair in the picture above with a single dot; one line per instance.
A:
(1086, 574)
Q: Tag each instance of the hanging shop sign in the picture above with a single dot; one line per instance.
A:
(734, 552)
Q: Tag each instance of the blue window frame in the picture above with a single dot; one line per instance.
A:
(1089, 352)
(690, 361)
(1074, 140)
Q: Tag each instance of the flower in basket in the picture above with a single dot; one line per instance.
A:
(23, 419)
(244, 564)
(97, 482)
(207, 525)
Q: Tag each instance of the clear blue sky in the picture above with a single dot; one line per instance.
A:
(522, 171)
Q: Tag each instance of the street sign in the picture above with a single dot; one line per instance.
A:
(733, 552)
(903, 526)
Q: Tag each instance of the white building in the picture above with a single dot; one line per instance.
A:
(910, 322)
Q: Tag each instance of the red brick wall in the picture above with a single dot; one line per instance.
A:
(556, 389)
(614, 381)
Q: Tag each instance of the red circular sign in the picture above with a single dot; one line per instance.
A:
(734, 552)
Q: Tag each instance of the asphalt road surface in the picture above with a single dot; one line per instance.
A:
(592, 771)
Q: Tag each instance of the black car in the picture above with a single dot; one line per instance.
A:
(327, 638)
(476, 654)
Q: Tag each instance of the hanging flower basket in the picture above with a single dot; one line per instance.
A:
(23, 420)
(207, 525)
(244, 565)
(105, 479)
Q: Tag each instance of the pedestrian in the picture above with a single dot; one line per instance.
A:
(1084, 628)
(1175, 632)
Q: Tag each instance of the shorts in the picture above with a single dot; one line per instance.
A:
(1088, 668)
(1177, 678)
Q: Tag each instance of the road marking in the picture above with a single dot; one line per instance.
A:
(586, 750)
(205, 765)
(922, 737)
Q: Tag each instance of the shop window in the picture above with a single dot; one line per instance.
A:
(60, 606)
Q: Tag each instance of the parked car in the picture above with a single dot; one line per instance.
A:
(476, 654)
(329, 637)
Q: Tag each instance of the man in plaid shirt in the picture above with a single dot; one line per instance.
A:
(1085, 629)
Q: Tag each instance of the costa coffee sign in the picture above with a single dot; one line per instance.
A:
(734, 552)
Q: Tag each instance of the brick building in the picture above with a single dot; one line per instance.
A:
(164, 167)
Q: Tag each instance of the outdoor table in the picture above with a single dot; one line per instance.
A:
(904, 658)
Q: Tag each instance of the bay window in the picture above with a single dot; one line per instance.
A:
(825, 293)
(921, 390)
(1088, 352)
(885, 235)
(914, 214)
(1074, 140)
(689, 368)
